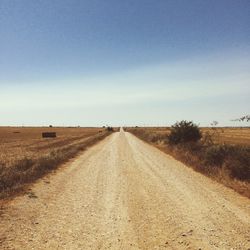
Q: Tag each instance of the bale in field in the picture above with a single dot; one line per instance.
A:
(49, 134)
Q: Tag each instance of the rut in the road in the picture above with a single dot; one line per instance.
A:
(125, 194)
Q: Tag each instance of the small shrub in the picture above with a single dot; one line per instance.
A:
(238, 163)
(24, 164)
(215, 155)
(154, 138)
(110, 129)
(184, 132)
(46, 163)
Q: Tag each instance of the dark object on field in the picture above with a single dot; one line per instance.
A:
(183, 132)
(16, 132)
(49, 134)
(50, 126)
(110, 129)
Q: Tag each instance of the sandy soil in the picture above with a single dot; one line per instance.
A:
(125, 194)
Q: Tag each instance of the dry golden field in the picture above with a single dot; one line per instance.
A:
(228, 135)
(19, 142)
(25, 156)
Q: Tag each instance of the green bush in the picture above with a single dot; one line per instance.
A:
(184, 132)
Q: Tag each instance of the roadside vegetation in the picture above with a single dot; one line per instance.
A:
(228, 163)
(26, 156)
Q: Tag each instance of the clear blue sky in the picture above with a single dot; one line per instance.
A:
(95, 62)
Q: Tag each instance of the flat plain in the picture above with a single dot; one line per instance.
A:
(17, 143)
(227, 135)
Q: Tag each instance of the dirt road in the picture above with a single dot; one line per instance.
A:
(125, 194)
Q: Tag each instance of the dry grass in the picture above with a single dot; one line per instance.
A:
(227, 135)
(225, 158)
(19, 143)
(26, 156)
(233, 136)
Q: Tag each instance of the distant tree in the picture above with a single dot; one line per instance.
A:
(110, 129)
(183, 132)
(242, 119)
(214, 123)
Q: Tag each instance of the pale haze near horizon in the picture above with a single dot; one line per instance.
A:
(72, 63)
